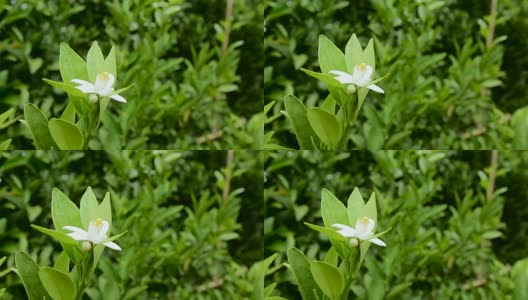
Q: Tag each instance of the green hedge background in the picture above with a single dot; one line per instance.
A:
(185, 240)
(449, 240)
(446, 89)
(186, 85)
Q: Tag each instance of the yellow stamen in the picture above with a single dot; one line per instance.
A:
(364, 220)
(362, 67)
(98, 223)
(104, 75)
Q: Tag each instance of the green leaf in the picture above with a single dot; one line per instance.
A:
(325, 125)
(300, 265)
(63, 211)
(375, 136)
(330, 57)
(62, 263)
(5, 115)
(370, 209)
(298, 117)
(72, 66)
(331, 233)
(110, 64)
(67, 135)
(60, 236)
(332, 209)
(104, 210)
(69, 113)
(520, 128)
(329, 80)
(329, 104)
(38, 125)
(353, 53)
(331, 257)
(368, 57)
(5, 144)
(95, 62)
(68, 88)
(328, 278)
(355, 206)
(268, 106)
(491, 83)
(58, 284)
(491, 234)
(88, 208)
(520, 279)
(28, 271)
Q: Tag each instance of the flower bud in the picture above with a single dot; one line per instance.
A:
(351, 89)
(354, 242)
(86, 246)
(93, 98)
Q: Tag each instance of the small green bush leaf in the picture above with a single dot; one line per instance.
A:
(72, 66)
(299, 120)
(328, 278)
(38, 125)
(67, 135)
(68, 88)
(58, 284)
(353, 53)
(28, 271)
(89, 208)
(325, 125)
(300, 265)
(63, 211)
(330, 57)
(95, 62)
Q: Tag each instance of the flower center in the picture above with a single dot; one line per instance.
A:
(364, 220)
(98, 223)
(362, 67)
(104, 75)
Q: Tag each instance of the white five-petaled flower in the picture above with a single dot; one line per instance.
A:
(363, 231)
(361, 77)
(103, 87)
(97, 230)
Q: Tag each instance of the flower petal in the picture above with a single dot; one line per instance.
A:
(370, 225)
(110, 82)
(378, 242)
(342, 77)
(345, 231)
(375, 88)
(86, 88)
(118, 98)
(112, 245)
(81, 82)
(79, 236)
(104, 228)
(361, 74)
(73, 228)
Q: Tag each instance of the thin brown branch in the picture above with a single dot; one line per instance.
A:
(493, 174)
(229, 174)
(228, 19)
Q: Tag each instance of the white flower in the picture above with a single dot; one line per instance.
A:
(103, 87)
(363, 231)
(97, 230)
(360, 77)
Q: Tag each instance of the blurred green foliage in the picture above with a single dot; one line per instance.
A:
(447, 89)
(186, 86)
(191, 230)
(449, 239)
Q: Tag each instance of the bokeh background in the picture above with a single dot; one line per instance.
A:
(196, 86)
(191, 219)
(447, 89)
(458, 218)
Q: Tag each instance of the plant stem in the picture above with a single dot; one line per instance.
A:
(493, 174)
